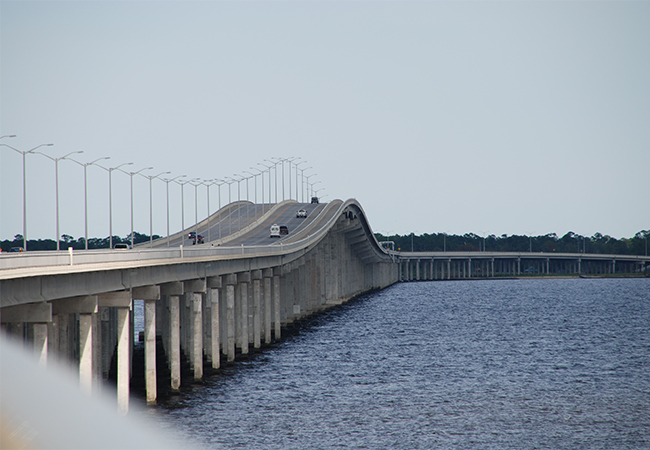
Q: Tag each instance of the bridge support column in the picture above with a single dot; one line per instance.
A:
(231, 282)
(85, 306)
(121, 300)
(197, 338)
(214, 284)
(123, 366)
(174, 291)
(268, 277)
(469, 268)
(256, 275)
(196, 290)
(150, 295)
(243, 279)
(417, 269)
(276, 303)
(40, 314)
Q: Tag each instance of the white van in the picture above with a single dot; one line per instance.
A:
(275, 230)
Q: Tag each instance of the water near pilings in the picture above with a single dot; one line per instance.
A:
(498, 364)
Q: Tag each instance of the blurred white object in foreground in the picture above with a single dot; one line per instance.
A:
(44, 408)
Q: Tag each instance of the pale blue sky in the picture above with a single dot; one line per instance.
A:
(438, 116)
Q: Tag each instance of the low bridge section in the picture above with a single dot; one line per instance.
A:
(459, 265)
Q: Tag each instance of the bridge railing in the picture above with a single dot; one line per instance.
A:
(85, 257)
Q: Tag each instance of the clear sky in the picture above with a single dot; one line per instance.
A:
(438, 116)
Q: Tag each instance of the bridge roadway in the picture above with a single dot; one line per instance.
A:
(246, 223)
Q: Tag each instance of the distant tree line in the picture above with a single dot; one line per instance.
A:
(69, 241)
(569, 243)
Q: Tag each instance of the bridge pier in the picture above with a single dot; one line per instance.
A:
(243, 279)
(214, 347)
(231, 283)
(150, 295)
(256, 276)
(171, 294)
(39, 315)
(268, 279)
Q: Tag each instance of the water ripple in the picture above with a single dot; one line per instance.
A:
(516, 364)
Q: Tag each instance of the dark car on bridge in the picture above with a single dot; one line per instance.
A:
(193, 237)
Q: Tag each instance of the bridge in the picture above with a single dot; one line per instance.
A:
(207, 302)
(218, 301)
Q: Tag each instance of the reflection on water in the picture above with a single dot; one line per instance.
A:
(508, 364)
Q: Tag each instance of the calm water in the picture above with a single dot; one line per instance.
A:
(512, 364)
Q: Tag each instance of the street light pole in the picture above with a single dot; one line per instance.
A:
(219, 183)
(196, 211)
(183, 200)
(290, 161)
(281, 162)
(297, 169)
(56, 181)
(313, 191)
(302, 183)
(167, 183)
(308, 185)
(269, 169)
(255, 177)
(238, 200)
(130, 174)
(229, 203)
(248, 198)
(110, 199)
(151, 205)
(207, 184)
(85, 166)
(24, 185)
(275, 172)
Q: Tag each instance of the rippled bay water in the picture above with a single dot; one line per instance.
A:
(495, 364)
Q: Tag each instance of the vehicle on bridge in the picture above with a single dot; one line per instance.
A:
(314, 199)
(122, 246)
(278, 230)
(16, 250)
(301, 214)
(196, 239)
